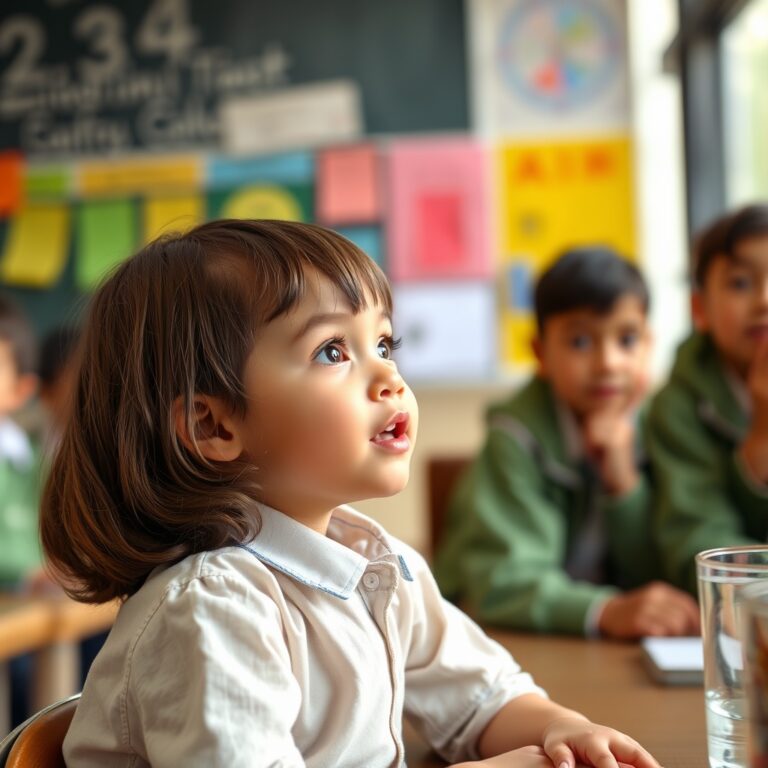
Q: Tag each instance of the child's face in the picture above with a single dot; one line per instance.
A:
(595, 361)
(329, 420)
(732, 306)
(15, 388)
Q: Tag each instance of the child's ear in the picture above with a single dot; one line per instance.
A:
(211, 430)
(699, 311)
(26, 386)
(538, 353)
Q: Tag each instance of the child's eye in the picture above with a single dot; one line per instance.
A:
(629, 339)
(331, 353)
(739, 282)
(580, 341)
(387, 345)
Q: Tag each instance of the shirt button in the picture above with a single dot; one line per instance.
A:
(371, 581)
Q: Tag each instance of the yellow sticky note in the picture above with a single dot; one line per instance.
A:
(37, 246)
(172, 214)
(140, 176)
(517, 335)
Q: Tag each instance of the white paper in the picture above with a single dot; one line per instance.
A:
(448, 331)
(290, 118)
(683, 654)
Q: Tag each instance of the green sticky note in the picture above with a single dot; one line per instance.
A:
(48, 182)
(106, 235)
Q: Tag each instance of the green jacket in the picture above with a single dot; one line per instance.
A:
(516, 522)
(20, 551)
(705, 497)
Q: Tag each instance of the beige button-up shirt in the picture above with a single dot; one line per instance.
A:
(295, 650)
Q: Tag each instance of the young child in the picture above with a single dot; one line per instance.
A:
(20, 479)
(708, 427)
(237, 388)
(552, 520)
(58, 368)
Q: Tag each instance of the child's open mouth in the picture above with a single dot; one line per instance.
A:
(393, 437)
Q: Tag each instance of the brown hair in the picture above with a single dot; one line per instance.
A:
(180, 317)
(722, 236)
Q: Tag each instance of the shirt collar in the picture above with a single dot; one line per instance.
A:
(15, 446)
(333, 563)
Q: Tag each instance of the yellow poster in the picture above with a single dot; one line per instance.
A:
(554, 195)
(137, 177)
(37, 246)
(172, 214)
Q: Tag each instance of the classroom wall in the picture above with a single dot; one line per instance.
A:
(451, 410)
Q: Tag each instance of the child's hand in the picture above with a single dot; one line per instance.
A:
(754, 449)
(571, 741)
(609, 439)
(657, 609)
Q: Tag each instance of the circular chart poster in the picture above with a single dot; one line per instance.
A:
(551, 66)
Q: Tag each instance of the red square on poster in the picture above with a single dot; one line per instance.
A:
(439, 230)
(437, 223)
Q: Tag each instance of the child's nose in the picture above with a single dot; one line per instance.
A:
(386, 382)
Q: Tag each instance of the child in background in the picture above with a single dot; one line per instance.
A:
(19, 458)
(20, 480)
(708, 427)
(58, 369)
(236, 389)
(552, 520)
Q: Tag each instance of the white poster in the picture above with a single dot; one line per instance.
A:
(548, 67)
(448, 330)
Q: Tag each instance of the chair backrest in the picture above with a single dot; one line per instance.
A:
(36, 743)
(442, 474)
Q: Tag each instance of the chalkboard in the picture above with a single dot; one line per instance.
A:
(79, 78)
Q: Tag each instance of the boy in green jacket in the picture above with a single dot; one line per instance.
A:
(20, 479)
(708, 427)
(552, 521)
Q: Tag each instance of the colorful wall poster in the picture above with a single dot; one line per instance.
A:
(437, 223)
(548, 67)
(172, 214)
(553, 195)
(11, 189)
(367, 239)
(36, 246)
(448, 330)
(106, 234)
(289, 202)
(348, 185)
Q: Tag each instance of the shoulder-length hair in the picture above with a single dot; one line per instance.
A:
(124, 495)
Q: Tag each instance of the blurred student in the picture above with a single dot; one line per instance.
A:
(708, 427)
(58, 369)
(20, 480)
(551, 523)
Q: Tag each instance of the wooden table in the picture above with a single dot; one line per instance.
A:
(51, 626)
(607, 682)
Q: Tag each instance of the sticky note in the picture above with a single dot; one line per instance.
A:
(10, 182)
(172, 214)
(106, 235)
(48, 182)
(140, 177)
(348, 185)
(37, 246)
(285, 168)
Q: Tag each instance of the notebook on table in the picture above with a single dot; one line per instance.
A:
(674, 660)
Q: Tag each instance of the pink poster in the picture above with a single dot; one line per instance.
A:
(348, 185)
(438, 215)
